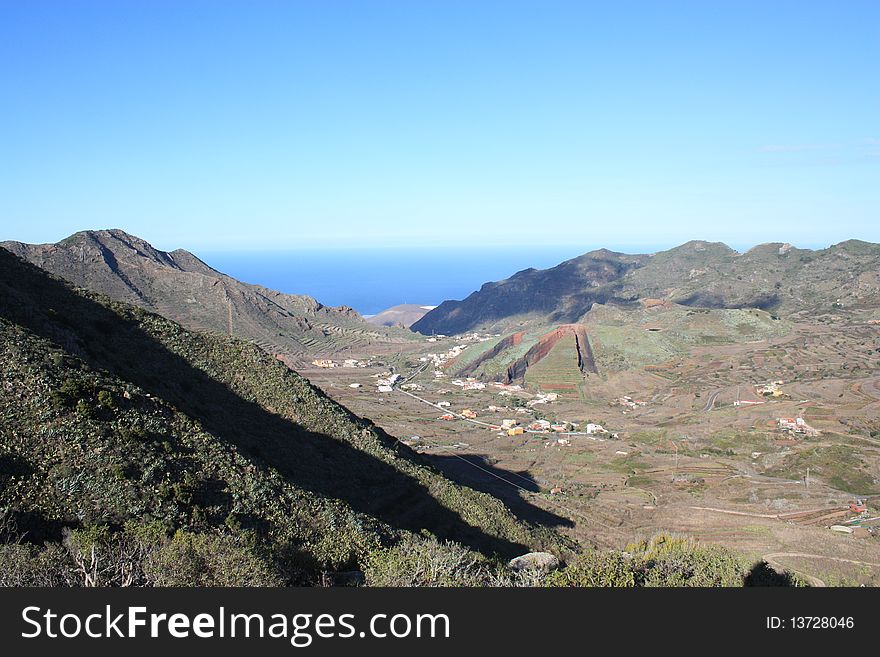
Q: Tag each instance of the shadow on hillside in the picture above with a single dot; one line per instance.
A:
(702, 299)
(485, 478)
(315, 462)
(534, 291)
(762, 574)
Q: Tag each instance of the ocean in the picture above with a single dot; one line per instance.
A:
(370, 280)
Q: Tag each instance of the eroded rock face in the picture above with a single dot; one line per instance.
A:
(534, 561)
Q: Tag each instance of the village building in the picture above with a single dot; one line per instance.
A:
(796, 425)
(771, 389)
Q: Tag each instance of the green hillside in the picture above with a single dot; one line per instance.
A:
(122, 429)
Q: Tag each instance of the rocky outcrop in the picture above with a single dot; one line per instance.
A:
(542, 561)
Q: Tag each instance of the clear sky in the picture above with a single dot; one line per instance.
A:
(258, 124)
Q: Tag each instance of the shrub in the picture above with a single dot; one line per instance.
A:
(28, 565)
(424, 561)
(596, 569)
(191, 559)
(666, 560)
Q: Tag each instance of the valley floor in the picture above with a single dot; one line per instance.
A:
(688, 460)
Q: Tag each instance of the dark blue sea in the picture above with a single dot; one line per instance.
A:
(370, 280)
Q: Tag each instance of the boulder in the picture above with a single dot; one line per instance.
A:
(534, 560)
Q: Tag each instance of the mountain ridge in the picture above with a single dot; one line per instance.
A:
(774, 276)
(181, 286)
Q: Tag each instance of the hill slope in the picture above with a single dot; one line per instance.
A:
(181, 287)
(773, 277)
(122, 429)
(560, 294)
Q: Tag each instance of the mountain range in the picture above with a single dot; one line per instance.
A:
(178, 285)
(775, 277)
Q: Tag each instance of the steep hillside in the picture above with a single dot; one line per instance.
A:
(181, 287)
(194, 458)
(777, 277)
(561, 294)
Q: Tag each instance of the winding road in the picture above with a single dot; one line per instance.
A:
(711, 401)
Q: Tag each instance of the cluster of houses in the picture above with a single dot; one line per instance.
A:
(542, 398)
(467, 337)
(513, 427)
(796, 425)
(629, 402)
(385, 381)
(468, 384)
(545, 426)
(507, 387)
(772, 389)
(439, 360)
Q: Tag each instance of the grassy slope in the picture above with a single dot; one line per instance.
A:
(111, 413)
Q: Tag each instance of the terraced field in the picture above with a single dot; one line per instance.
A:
(490, 359)
(558, 371)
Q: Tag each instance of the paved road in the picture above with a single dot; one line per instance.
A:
(711, 401)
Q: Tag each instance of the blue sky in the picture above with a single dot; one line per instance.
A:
(269, 125)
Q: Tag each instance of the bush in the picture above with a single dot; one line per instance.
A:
(105, 399)
(424, 561)
(28, 565)
(666, 560)
(210, 560)
(596, 569)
